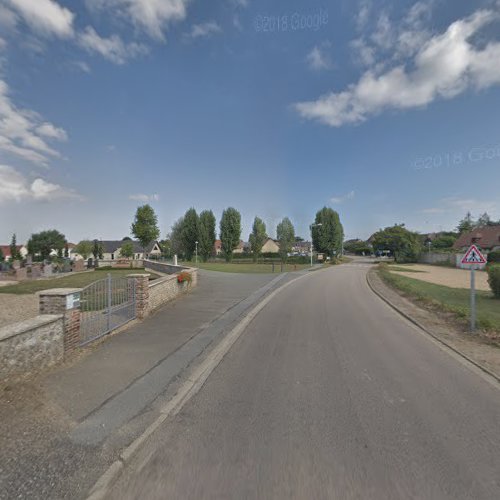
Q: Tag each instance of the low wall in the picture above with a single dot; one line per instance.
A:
(31, 346)
(165, 289)
(121, 264)
(438, 258)
(163, 267)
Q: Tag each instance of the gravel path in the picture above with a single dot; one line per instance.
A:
(15, 308)
(447, 276)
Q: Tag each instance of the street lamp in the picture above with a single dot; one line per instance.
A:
(311, 227)
(196, 252)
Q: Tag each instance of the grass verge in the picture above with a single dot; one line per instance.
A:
(77, 280)
(454, 300)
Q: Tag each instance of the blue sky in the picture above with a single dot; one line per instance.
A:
(387, 111)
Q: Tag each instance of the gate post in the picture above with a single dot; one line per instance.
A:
(65, 301)
(141, 289)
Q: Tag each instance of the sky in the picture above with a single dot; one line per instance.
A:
(386, 111)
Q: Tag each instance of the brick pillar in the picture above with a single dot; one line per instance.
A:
(141, 283)
(65, 301)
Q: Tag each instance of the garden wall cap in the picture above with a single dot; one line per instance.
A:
(60, 291)
(138, 275)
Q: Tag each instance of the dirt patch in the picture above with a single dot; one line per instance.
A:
(447, 276)
(15, 308)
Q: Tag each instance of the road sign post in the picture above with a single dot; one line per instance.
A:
(472, 258)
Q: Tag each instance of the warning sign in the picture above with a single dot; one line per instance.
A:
(473, 256)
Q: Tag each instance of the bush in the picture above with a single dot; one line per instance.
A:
(494, 257)
(494, 279)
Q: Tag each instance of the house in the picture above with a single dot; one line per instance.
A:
(112, 249)
(241, 248)
(302, 247)
(270, 246)
(217, 247)
(6, 251)
(487, 238)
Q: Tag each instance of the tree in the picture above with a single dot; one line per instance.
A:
(357, 247)
(84, 248)
(97, 250)
(14, 252)
(285, 234)
(175, 237)
(44, 242)
(145, 226)
(127, 250)
(206, 234)
(66, 250)
(257, 238)
(403, 244)
(484, 220)
(444, 241)
(127, 238)
(466, 224)
(328, 237)
(230, 231)
(2, 256)
(189, 233)
(166, 248)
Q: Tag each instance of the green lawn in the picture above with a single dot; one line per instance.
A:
(233, 267)
(78, 280)
(455, 300)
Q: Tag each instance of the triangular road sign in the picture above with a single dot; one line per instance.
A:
(473, 256)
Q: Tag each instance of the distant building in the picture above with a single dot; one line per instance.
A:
(270, 246)
(6, 251)
(487, 238)
(112, 250)
(218, 248)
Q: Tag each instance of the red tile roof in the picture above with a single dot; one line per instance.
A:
(6, 249)
(486, 237)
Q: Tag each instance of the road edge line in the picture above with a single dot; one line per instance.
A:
(428, 332)
(188, 389)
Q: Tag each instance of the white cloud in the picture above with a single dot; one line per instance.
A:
(23, 133)
(82, 66)
(318, 59)
(144, 197)
(15, 187)
(113, 49)
(152, 16)
(455, 204)
(3, 44)
(337, 200)
(45, 16)
(48, 130)
(363, 15)
(204, 30)
(445, 66)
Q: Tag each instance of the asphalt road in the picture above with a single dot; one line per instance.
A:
(328, 394)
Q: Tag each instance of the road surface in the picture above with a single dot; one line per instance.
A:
(328, 393)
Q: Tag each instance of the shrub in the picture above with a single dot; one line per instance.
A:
(494, 257)
(494, 279)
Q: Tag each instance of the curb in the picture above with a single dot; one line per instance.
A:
(427, 331)
(188, 389)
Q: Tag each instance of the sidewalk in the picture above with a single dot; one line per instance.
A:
(59, 432)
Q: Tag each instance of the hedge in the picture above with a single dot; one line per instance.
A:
(494, 279)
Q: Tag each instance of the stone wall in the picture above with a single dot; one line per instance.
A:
(30, 346)
(163, 267)
(121, 263)
(165, 289)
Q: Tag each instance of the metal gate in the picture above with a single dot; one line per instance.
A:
(105, 305)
